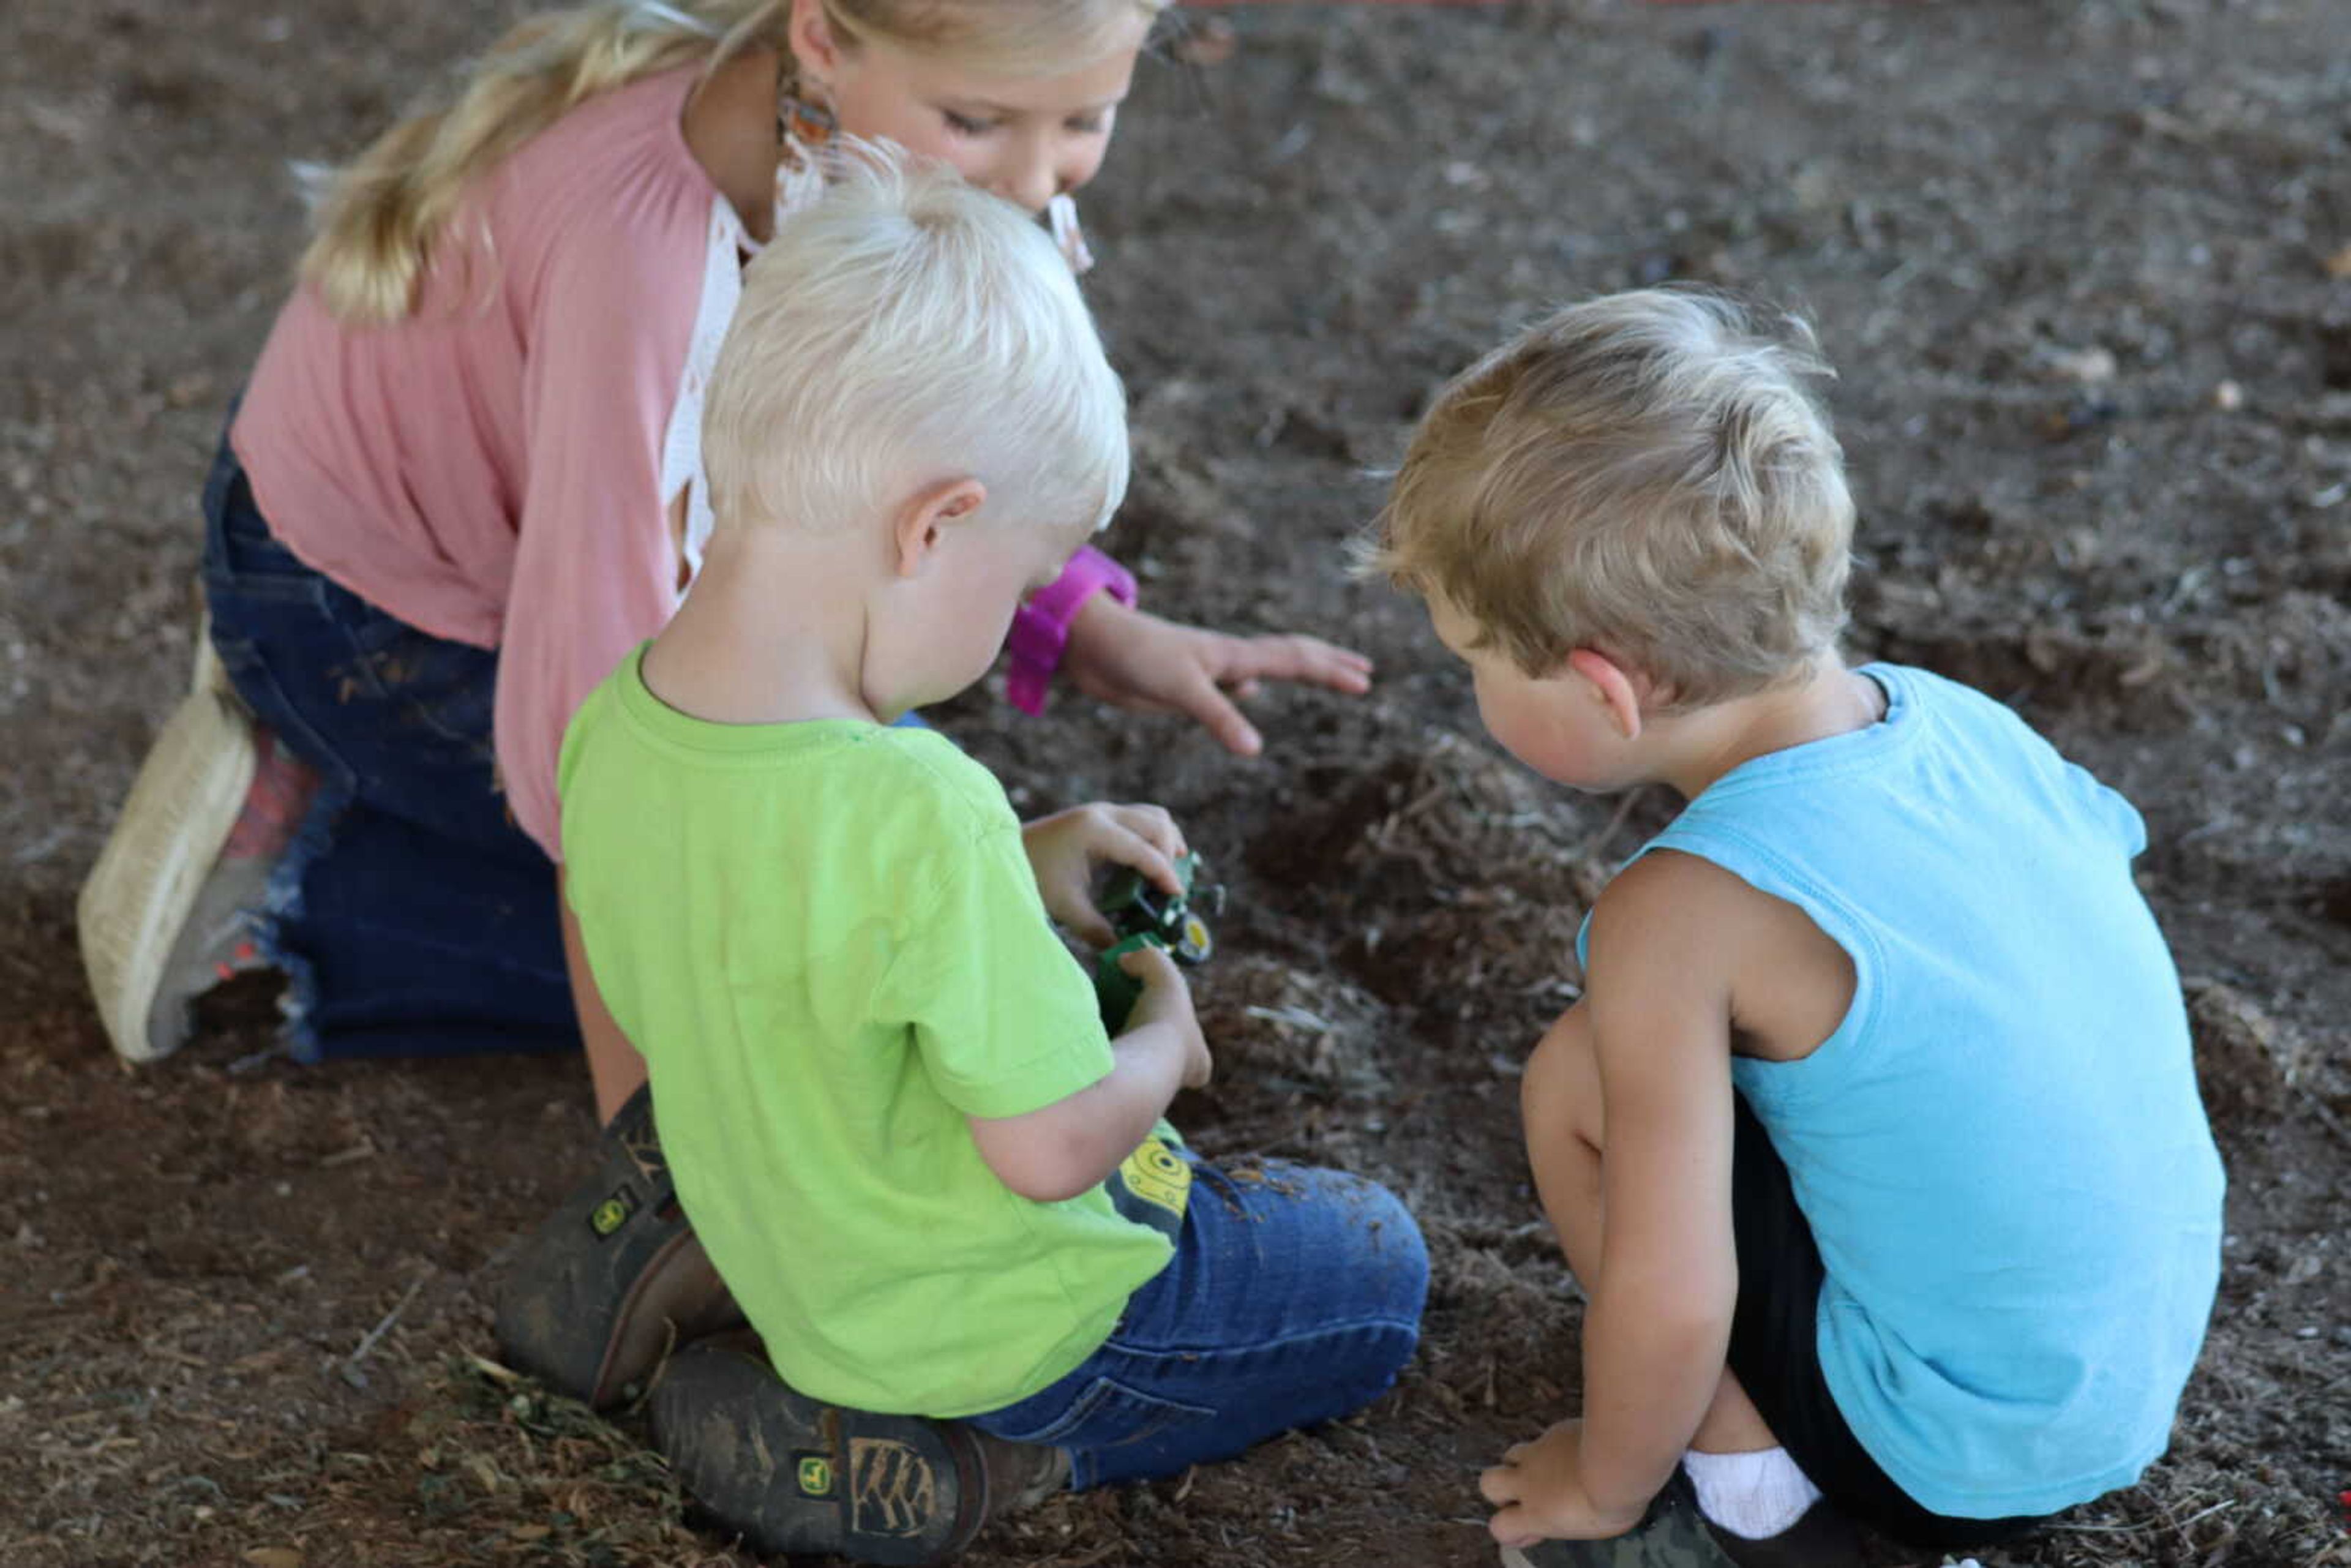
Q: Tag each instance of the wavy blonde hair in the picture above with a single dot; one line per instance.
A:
(378, 217)
(1647, 474)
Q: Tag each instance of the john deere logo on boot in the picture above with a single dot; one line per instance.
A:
(815, 1475)
(613, 1213)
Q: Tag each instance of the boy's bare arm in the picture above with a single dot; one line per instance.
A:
(1659, 1315)
(1663, 949)
(1063, 1149)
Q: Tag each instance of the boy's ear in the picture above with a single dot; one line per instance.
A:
(1611, 685)
(925, 516)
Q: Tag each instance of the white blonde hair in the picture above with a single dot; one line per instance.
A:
(903, 328)
(1645, 473)
(378, 217)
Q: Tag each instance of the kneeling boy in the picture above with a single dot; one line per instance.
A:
(1874, 1140)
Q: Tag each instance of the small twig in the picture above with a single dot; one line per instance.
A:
(352, 1374)
(2204, 1513)
(1427, 798)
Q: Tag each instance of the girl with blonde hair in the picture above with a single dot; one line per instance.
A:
(465, 478)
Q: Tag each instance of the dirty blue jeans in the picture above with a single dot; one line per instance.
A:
(1294, 1297)
(411, 916)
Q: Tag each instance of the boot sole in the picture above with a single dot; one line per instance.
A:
(793, 1476)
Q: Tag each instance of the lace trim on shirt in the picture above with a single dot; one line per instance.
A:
(722, 292)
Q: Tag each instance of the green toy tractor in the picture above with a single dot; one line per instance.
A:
(1143, 914)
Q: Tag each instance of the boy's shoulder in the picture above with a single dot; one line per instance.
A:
(936, 779)
(1684, 941)
(2019, 775)
(1679, 916)
(1657, 894)
(912, 797)
(907, 781)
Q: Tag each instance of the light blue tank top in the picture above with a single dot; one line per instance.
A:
(2001, 1150)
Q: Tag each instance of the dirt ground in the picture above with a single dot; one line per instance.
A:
(2087, 268)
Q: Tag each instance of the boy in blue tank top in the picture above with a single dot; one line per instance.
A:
(1874, 1139)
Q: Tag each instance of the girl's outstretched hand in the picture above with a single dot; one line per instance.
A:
(1119, 654)
(1064, 848)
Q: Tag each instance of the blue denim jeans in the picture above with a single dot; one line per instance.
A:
(411, 916)
(1294, 1297)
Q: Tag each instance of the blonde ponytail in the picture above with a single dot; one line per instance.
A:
(379, 215)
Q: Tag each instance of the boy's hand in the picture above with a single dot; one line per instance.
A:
(1064, 848)
(1057, 1151)
(1167, 1000)
(1118, 655)
(1539, 1494)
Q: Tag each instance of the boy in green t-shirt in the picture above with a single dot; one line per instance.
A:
(934, 1185)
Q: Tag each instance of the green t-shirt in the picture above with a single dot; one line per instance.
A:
(827, 941)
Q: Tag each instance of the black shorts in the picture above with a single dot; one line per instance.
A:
(1775, 1351)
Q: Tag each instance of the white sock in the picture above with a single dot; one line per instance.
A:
(1756, 1495)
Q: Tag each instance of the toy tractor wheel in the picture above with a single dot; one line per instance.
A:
(1193, 944)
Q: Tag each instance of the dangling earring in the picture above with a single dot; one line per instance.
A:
(799, 120)
(805, 127)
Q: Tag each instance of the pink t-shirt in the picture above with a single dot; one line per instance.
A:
(491, 470)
